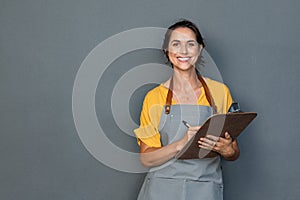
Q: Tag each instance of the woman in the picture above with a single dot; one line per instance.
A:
(185, 96)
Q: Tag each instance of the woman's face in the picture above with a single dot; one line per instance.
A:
(183, 50)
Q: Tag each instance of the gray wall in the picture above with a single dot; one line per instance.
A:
(43, 43)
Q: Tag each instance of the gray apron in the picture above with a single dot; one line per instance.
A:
(194, 179)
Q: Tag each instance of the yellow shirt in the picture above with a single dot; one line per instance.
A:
(154, 103)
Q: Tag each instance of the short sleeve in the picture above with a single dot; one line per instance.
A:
(149, 121)
(221, 95)
(228, 100)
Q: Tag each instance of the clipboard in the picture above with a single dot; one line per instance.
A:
(218, 124)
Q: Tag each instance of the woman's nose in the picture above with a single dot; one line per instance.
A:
(184, 49)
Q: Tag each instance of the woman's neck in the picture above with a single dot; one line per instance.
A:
(185, 79)
(186, 86)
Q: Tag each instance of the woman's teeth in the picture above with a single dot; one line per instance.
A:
(183, 58)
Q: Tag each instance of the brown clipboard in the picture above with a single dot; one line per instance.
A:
(218, 124)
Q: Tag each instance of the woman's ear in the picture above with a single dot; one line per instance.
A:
(166, 52)
(200, 49)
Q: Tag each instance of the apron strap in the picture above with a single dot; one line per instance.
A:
(206, 91)
(208, 94)
(169, 97)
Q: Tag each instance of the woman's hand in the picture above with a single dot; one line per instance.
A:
(189, 135)
(155, 156)
(227, 147)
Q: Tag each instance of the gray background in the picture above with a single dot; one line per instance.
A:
(42, 44)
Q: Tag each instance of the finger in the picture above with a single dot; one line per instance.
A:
(194, 128)
(227, 135)
(212, 137)
(205, 146)
(207, 141)
(228, 138)
(208, 147)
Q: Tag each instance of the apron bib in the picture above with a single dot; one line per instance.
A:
(193, 179)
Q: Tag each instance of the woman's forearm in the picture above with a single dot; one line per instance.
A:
(151, 156)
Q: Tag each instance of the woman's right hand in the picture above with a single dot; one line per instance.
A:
(155, 156)
(190, 133)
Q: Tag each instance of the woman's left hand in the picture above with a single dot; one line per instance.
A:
(227, 147)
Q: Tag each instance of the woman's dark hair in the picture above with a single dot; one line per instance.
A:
(182, 24)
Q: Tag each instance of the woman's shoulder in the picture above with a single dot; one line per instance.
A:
(220, 93)
(156, 90)
(157, 94)
(213, 84)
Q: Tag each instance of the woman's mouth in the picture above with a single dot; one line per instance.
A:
(183, 59)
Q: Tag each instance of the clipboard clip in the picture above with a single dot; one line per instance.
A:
(234, 108)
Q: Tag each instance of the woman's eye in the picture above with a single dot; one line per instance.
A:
(175, 44)
(192, 44)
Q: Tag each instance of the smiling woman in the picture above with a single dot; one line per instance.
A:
(161, 134)
(192, 32)
(183, 50)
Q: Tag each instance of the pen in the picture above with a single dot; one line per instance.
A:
(186, 124)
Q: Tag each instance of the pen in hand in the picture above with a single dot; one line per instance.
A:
(186, 124)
